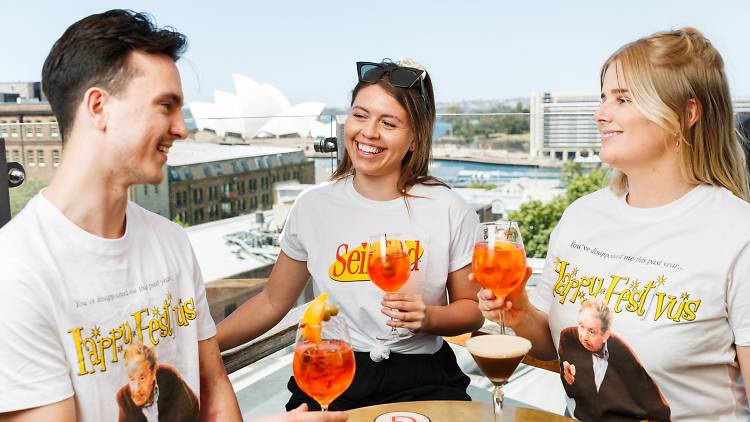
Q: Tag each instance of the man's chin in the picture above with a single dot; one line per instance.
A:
(139, 403)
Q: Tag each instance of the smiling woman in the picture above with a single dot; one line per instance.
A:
(664, 251)
(381, 186)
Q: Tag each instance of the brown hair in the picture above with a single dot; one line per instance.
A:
(665, 71)
(421, 112)
(94, 52)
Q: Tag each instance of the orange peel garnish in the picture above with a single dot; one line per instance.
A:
(312, 319)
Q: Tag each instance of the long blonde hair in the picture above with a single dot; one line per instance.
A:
(666, 70)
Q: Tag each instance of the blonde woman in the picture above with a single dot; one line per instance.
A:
(666, 246)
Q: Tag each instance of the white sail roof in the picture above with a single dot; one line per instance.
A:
(258, 110)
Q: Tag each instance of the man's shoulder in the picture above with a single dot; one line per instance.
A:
(156, 222)
(167, 371)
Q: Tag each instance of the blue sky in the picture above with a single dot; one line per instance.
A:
(473, 49)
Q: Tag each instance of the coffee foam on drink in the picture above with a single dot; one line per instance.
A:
(498, 346)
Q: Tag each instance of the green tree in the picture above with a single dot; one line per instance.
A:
(570, 170)
(20, 195)
(537, 219)
(584, 185)
(179, 221)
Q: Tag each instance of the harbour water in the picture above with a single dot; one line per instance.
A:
(448, 170)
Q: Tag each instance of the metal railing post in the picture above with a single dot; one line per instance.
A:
(4, 186)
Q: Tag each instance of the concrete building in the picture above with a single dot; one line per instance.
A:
(32, 138)
(13, 92)
(563, 128)
(562, 125)
(207, 182)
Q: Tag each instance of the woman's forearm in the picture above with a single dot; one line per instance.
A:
(461, 316)
(535, 328)
(253, 318)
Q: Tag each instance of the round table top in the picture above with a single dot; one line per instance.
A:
(452, 411)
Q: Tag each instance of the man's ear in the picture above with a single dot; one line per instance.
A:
(95, 101)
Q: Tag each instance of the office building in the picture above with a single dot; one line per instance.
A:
(207, 182)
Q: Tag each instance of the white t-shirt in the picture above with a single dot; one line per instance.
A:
(329, 226)
(72, 303)
(676, 280)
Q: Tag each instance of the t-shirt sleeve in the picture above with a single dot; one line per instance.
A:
(738, 292)
(463, 236)
(33, 367)
(290, 238)
(206, 325)
(541, 296)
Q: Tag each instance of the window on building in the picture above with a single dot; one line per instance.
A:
(30, 158)
(207, 170)
(156, 189)
(40, 158)
(174, 176)
(186, 172)
(55, 157)
(235, 167)
(245, 166)
(217, 169)
(145, 190)
(38, 129)
(14, 131)
(29, 129)
(54, 129)
(17, 155)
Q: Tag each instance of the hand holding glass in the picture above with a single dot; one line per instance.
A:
(499, 262)
(388, 266)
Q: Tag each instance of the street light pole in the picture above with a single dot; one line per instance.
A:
(4, 186)
(11, 175)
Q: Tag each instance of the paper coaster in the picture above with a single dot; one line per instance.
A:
(402, 417)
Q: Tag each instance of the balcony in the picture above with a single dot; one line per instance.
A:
(260, 369)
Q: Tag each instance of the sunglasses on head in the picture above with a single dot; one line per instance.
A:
(399, 76)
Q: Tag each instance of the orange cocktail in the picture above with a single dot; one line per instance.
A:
(389, 272)
(500, 268)
(325, 370)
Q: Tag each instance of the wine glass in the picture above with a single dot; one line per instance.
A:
(323, 363)
(499, 261)
(498, 356)
(388, 266)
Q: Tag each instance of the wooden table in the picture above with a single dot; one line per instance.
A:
(453, 411)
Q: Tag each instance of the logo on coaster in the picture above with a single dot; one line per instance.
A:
(402, 417)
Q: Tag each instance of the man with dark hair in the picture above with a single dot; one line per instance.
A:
(85, 272)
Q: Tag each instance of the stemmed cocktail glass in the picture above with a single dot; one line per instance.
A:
(499, 261)
(388, 266)
(323, 363)
(497, 356)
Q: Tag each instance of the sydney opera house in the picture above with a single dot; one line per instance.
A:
(258, 111)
